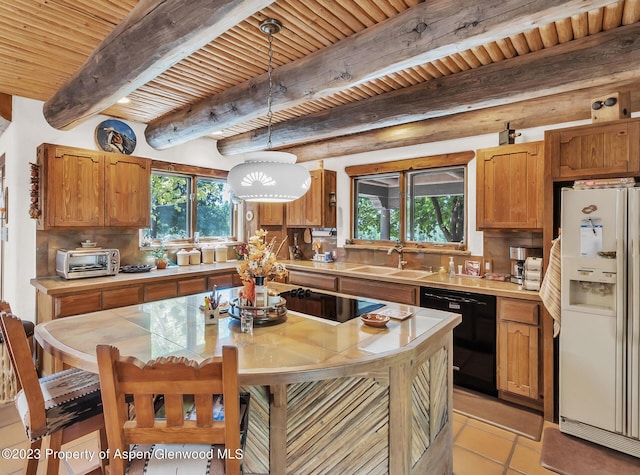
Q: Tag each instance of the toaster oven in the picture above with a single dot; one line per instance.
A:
(83, 263)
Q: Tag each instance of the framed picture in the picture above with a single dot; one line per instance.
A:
(472, 267)
(115, 136)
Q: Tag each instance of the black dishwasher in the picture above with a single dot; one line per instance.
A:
(474, 340)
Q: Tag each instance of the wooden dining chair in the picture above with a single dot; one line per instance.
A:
(64, 405)
(190, 424)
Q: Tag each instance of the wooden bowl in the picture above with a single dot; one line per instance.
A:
(375, 319)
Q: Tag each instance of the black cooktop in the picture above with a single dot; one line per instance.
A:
(327, 306)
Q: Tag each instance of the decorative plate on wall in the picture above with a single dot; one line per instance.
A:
(115, 136)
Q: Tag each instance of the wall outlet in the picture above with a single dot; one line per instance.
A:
(4, 233)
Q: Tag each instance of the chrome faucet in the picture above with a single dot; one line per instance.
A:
(400, 250)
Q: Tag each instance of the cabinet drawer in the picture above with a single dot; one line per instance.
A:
(317, 281)
(222, 281)
(523, 311)
(192, 286)
(162, 290)
(121, 297)
(77, 304)
(399, 293)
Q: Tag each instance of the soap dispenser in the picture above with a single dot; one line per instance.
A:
(452, 267)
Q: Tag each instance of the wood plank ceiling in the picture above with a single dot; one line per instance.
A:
(44, 42)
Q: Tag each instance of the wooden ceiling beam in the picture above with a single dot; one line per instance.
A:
(423, 33)
(152, 38)
(598, 60)
(549, 110)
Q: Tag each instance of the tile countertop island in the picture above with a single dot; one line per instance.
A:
(326, 397)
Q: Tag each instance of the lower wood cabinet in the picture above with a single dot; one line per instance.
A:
(113, 298)
(312, 279)
(518, 358)
(160, 290)
(192, 286)
(74, 304)
(400, 293)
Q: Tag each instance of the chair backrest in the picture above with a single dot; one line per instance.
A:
(5, 307)
(27, 378)
(172, 378)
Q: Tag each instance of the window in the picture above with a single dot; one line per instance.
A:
(182, 204)
(421, 201)
(378, 208)
(435, 205)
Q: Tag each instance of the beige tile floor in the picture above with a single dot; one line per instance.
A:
(479, 448)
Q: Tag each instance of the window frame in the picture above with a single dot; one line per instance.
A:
(193, 173)
(403, 167)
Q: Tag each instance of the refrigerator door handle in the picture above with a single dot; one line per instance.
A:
(633, 322)
(621, 307)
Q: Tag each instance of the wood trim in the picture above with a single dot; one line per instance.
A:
(411, 164)
(188, 169)
(6, 109)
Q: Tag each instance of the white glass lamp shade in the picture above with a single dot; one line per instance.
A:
(269, 177)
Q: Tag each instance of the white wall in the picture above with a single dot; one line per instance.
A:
(29, 129)
(19, 142)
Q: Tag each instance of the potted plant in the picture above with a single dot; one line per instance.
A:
(161, 257)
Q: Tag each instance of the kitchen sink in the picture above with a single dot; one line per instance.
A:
(411, 274)
(376, 270)
(392, 272)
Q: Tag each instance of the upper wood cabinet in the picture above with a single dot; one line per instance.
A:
(314, 208)
(85, 188)
(510, 186)
(127, 191)
(595, 150)
(271, 214)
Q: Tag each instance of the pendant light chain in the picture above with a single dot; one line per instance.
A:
(270, 96)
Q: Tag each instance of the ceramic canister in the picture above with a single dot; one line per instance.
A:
(182, 257)
(208, 255)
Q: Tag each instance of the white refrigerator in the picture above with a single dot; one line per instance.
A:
(599, 355)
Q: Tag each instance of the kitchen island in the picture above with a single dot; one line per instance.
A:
(326, 397)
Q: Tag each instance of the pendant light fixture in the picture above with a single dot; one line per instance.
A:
(269, 176)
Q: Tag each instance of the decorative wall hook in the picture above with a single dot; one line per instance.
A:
(507, 136)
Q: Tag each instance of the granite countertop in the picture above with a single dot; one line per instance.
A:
(444, 281)
(58, 285)
(53, 285)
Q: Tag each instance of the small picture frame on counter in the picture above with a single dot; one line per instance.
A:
(472, 267)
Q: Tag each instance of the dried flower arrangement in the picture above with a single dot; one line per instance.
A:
(258, 260)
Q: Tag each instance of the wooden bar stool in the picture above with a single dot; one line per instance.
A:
(64, 405)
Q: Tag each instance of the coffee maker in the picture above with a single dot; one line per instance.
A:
(518, 256)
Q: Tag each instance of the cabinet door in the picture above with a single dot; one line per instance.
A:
(310, 279)
(313, 200)
(595, 150)
(518, 359)
(295, 211)
(271, 214)
(113, 298)
(223, 281)
(127, 191)
(399, 293)
(192, 286)
(509, 186)
(75, 188)
(76, 304)
(161, 290)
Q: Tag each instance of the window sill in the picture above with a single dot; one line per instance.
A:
(449, 250)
